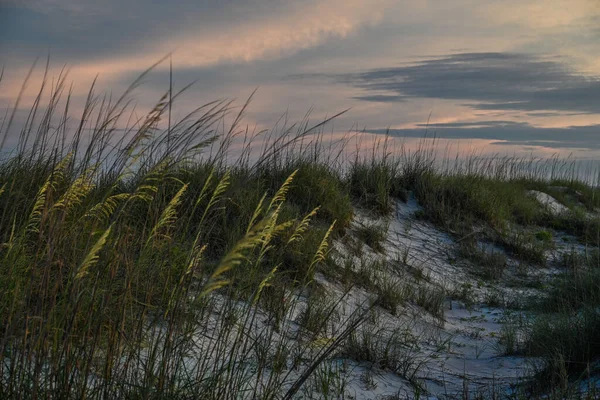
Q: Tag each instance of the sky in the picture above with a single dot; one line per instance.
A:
(502, 75)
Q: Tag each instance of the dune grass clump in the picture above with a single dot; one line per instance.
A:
(320, 310)
(373, 235)
(391, 294)
(99, 294)
(375, 183)
(461, 201)
(500, 209)
(564, 332)
(488, 207)
(571, 192)
(138, 263)
(393, 350)
(490, 264)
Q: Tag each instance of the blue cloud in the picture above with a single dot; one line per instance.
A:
(516, 133)
(486, 81)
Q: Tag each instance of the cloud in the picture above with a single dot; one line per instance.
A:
(476, 124)
(120, 38)
(547, 144)
(381, 98)
(486, 81)
(509, 132)
(128, 32)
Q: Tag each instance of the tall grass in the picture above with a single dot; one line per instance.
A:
(137, 262)
(564, 332)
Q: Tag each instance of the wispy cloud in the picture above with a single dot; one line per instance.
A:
(217, 32)
(487, 81)
(509, 132)
(97, 40)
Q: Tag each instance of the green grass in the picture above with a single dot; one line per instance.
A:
(509, 215)
(320, 310)
(116, 251)
(544, 236)
(390, 294)
(489, 264)
(564, 332)
(374, 183)
(373, 235)
(392, 350)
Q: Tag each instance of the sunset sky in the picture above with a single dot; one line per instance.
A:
(512, 75)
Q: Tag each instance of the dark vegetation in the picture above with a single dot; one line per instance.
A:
(565, 331)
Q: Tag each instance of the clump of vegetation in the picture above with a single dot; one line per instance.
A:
(544, 236)
(393, 350)
(390, 294)
(489, 264)
(329, 381)
(320, 310)
(373, 235)
(461, 199)
(510, 337)
(137, 263)
(375, 183)
(564, 331)
(431, 298)
(524, 247)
